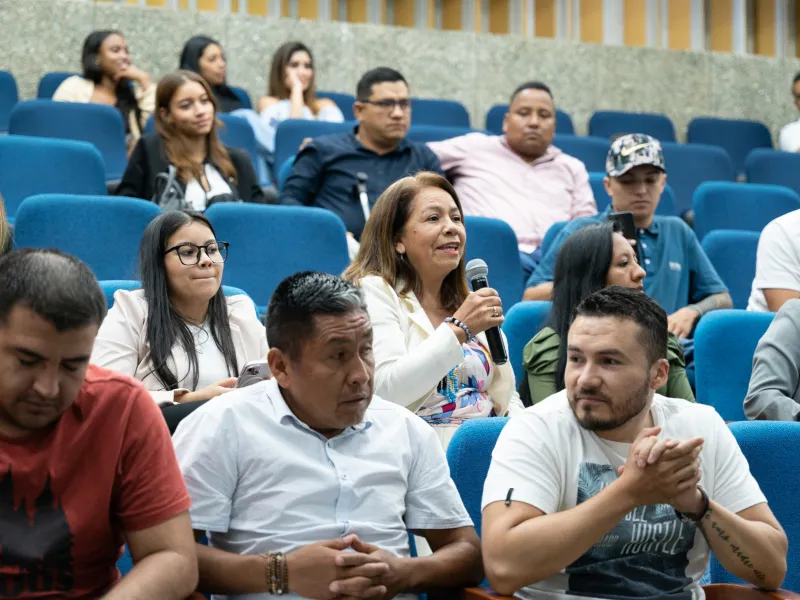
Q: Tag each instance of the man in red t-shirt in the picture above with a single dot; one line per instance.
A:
(86, 461)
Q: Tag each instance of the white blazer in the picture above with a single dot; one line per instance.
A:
(121, 344)
(411, 357)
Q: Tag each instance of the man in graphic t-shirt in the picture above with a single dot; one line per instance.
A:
(608, 490)
(86, 461)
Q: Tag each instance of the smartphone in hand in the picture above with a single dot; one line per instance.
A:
(253, 372)
(627, 229)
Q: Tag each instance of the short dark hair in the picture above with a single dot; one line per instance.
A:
(531, 85)
(56, 286)
(615, 301)
(301, 297)
(374, 77)
(796, 78)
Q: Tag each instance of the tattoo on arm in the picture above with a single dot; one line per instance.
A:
(713, 302)
(709, 527)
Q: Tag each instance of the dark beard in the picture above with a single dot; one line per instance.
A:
(632, 406)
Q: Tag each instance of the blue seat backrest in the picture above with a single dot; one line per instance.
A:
(733, 255)
(445, 113)
(495, 242)
(689, 165)
(591, 151)
(522, 322)
(49, 83)
(9, 96)
(775, 167)
(736, 137)
(343, 101)
(610, 123)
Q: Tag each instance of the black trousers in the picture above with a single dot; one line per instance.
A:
(174, 414)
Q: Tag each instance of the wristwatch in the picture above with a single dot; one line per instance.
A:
(691, 518)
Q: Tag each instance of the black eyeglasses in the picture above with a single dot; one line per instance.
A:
(189, 254)
(388, 105)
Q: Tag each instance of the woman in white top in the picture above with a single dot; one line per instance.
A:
(110, 78)
(179, 335)
(291, 92)
(431, 354)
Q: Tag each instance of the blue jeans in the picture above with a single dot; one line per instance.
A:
(529, 263)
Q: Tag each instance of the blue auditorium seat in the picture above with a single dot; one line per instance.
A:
(689, 165)
(49, 83)
(9, 96)
(269, 243)
(666, 205)
(422, 134)
(343, 101)
(243, 96)
(724, 344)
(742, 206)
(237, 133)
(103, 231)
(30, 166)
(493, 241)
(551, 235)
(291, 133)
(733, 254)
(591, 151)
(445, 113)
(522, 322)
(94, 123)
(736, 137)
(770, 448)
(469, 455)
(775, 167)
(496, 114)
(111, 286)
(284, 171)
(609, 123)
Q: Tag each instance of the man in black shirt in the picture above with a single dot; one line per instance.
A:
(332, 171)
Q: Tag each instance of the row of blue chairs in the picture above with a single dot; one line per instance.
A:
(725, 341)
(269, 243)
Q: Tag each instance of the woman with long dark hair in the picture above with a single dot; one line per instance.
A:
(109, 77)
(291, 93)
(431, 353)
(180, 335)
(591, 259)
(184, 164)
(204, 55)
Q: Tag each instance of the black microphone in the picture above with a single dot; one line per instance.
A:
(478, 275)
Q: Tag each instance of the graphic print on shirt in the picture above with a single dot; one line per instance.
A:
(35, 543)
(644, 556)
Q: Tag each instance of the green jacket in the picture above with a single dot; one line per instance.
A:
(540, 359)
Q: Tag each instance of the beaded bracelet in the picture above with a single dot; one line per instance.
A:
(277, 571)
(460, 324)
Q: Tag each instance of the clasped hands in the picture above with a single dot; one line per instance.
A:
(346, 569)
(663, 471)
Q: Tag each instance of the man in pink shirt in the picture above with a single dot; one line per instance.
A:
(519, 177)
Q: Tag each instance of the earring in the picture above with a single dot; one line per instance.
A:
(97, 62)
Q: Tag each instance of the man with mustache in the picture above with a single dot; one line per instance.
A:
(307, 484)
(519, 177)
(598, 490)
(86, 461)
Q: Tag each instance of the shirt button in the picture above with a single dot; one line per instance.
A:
(344, 476)
(647, 261)
(644, 245)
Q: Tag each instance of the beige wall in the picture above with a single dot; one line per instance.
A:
(476, 69)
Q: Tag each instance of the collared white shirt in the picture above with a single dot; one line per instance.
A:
(262, 481)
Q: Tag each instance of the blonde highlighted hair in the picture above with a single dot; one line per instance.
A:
(377, 254)
(4, 230)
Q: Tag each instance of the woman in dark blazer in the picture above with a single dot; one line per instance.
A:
(184, 165)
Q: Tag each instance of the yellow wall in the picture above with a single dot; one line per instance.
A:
(635, 24)
(404, 13)
(356, 11)
(720, 18)
(592, 21)
(498, 16)
(679, 24)
(764, 27)
(545, 18)
(451, 15)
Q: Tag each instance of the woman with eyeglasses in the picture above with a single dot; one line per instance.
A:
(179, 335)
(291, 92)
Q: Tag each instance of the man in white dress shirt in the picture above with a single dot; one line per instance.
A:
(311, 465)
(597, 491)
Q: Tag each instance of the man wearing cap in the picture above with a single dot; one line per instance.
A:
(680, 276)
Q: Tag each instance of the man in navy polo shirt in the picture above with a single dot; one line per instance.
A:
(679, 275)
(326, 172)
